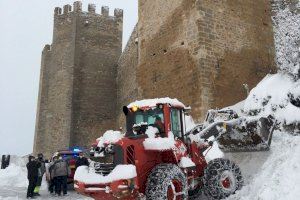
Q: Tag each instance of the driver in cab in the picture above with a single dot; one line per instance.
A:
(159, 125)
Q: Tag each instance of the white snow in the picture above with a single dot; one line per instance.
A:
(186, 162)
(13, 176)
(287, 37)
(272, 175)
(154, 102)
(214, 152)
(189, 123)
(160, 144)
(109, 137)
(120, 172)
(151, 131)
(270, 96)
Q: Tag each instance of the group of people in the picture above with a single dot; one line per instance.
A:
(57, 172)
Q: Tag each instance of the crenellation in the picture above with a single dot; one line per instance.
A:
(77, 6)
(105, 10)
(118, 13)
(80, 64)
(67, 8)
(47, 47)
(57, 11)
(92, 8)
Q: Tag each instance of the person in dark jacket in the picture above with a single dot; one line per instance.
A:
(49, 175)
(81, 161)
(60, 173)
(41, 172)
(32, 169)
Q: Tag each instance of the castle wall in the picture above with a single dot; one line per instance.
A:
(77, 88)
(202, 52)
(98, 48)
(127, 89)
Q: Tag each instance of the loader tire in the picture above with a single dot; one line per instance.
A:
(222, 178)
(166, 182)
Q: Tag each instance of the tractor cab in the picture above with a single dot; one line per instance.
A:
(165, 117)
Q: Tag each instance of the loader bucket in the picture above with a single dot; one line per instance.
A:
(255, 135)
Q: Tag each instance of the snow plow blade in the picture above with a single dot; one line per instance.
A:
(245, 136)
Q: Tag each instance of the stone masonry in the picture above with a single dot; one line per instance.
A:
(202, 52)
(77, 97)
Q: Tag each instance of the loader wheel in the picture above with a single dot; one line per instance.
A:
(166, 182)
(222, 178)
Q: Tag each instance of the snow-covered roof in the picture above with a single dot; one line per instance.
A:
(154, 102)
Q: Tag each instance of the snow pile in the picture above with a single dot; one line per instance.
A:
(154, 102)
(186, 162)
(287, 37)
(274, 174)
(271, 97)
(120, 172)
(13, 176)
(160, 144)
(110, 137)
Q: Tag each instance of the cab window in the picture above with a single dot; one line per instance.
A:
(176, 123)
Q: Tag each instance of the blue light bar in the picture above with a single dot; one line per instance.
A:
(76, 150)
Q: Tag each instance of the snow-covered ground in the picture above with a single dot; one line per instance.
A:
(271, 175)
(13, 183)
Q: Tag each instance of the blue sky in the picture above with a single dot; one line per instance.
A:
(25, 27)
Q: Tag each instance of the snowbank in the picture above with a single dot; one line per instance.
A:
(120, 172)
(13, 176)
(110, 137)
(154, 102)
(273, 175)
(270, 96)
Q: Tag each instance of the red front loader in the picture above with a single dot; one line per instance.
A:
(163, 171)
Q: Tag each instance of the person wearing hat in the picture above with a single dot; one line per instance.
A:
(32, 174)
(41, 172)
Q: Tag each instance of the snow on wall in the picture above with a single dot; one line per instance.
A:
(120, 172)
(287, 37)
(270, 96)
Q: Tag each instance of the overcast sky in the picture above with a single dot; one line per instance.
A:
(25, 27)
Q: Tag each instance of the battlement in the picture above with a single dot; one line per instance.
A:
(77, 8)
(47, 47)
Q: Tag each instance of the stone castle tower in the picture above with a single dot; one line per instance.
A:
(77, 97)
(202, 52)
